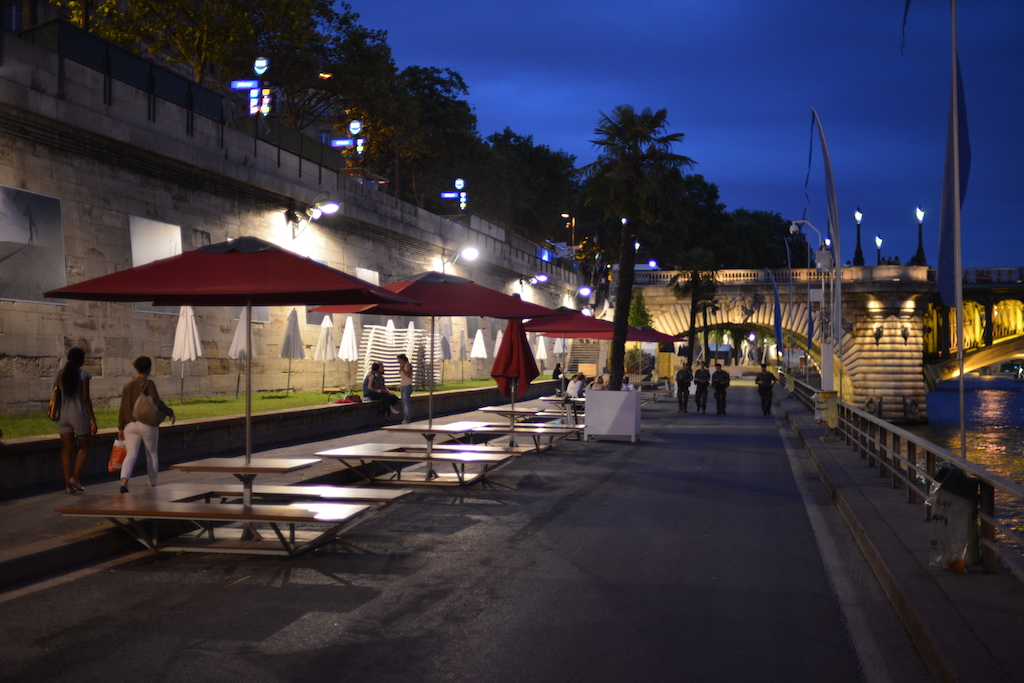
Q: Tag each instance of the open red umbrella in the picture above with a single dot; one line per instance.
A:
(441, 294)
(243, 272)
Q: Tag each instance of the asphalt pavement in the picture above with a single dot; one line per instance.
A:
(711, 550)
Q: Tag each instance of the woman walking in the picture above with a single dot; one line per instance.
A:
(135, 433)
(77, 421)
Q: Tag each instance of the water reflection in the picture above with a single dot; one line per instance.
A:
(994, 415)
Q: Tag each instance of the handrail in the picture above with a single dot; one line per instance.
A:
(912, 461)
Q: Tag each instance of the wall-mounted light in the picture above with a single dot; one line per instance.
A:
(321, 204)
(878, 334)
(905, 333)
(467, 252)
(585, 291)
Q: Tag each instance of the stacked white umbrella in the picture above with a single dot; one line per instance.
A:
(291, 344)
(187, 346)
(239, 345)
(324, 350)
(410, 341)
(389, 332)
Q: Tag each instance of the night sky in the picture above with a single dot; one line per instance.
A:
(739, 79)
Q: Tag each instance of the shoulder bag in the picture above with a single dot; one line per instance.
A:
(53, 409)
(146, 410)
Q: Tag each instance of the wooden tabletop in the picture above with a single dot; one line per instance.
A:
(238, 466)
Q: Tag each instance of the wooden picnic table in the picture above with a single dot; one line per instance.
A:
(488, 430)
(488, 459)
(246, 473)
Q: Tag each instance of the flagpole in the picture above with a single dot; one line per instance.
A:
(957, 255)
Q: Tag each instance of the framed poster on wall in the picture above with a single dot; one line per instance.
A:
(31, 246)
(151, 241)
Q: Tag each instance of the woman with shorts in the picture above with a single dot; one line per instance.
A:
(77, 420)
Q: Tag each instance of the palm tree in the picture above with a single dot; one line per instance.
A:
(633, 175)
(697, 282)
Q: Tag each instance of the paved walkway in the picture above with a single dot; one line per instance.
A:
(698, 552)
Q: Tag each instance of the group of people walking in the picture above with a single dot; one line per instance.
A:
(718, 381)
(76, 421)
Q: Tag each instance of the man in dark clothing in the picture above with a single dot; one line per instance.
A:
(683, 378)
(764, 381)
(720, 382)
(701, 378)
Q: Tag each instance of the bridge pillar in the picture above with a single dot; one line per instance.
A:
(883, 324)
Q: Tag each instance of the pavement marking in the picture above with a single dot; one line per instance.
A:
(858, 622)
(71, 576)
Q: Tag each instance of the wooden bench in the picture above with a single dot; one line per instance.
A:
(128, 511)
(186, 493)
(487, 461)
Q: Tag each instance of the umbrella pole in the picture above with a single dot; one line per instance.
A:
(430, 398)
(248, 384)
(181, 398)
(288, 384)
(323, 379)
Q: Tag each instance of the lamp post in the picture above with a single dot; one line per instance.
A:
(570, 222)
(878, 243)
(828, 333)
(858, 254)
(919, 258)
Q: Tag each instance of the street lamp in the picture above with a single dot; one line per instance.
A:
(878, 243)
(919, 259)
(858, 255)
(570, 222)
(828, 305)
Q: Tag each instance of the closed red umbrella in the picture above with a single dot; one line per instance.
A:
(243, 272)
(514, 366)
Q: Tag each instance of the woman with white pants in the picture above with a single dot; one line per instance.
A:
(135, 433)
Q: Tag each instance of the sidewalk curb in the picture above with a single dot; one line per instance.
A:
(952, 652)
(42, 558)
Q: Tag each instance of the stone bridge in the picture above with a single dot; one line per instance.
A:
(896, 339)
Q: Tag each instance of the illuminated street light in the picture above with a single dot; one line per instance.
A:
(878, 243)
(858, 254)
(919, 258)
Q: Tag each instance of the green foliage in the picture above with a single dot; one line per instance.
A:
(635, 174)
(639, 316)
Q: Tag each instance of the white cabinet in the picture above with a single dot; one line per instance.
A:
(613, 413)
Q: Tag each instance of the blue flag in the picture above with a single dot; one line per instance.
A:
(949, 239)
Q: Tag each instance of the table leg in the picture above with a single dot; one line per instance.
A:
(248, 533)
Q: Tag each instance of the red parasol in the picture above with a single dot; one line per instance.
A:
(441, 294)
(243, 272)
(514, 366)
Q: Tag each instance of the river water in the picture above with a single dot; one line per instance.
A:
(994, 409)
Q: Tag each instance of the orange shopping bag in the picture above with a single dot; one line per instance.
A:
(117, 454)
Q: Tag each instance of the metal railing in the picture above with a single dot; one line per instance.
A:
(911, 462)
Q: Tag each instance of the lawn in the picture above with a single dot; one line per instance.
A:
(37, 424)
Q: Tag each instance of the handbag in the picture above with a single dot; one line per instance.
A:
(53, 409)
(117, 454)
(146, 410)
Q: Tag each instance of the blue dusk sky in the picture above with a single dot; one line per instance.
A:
(739, 79)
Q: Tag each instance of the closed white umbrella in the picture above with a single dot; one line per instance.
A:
(463, 345)
(560, 347)
(325, 347)
(497, 342)
(187, 346)
(291, 345)
(479, 349)
(446, 349)
(239, 345)
(349, 349)
(542, 348)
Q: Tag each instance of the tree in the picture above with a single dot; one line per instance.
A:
(633, 175)
(697, 282)
(639, 316)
